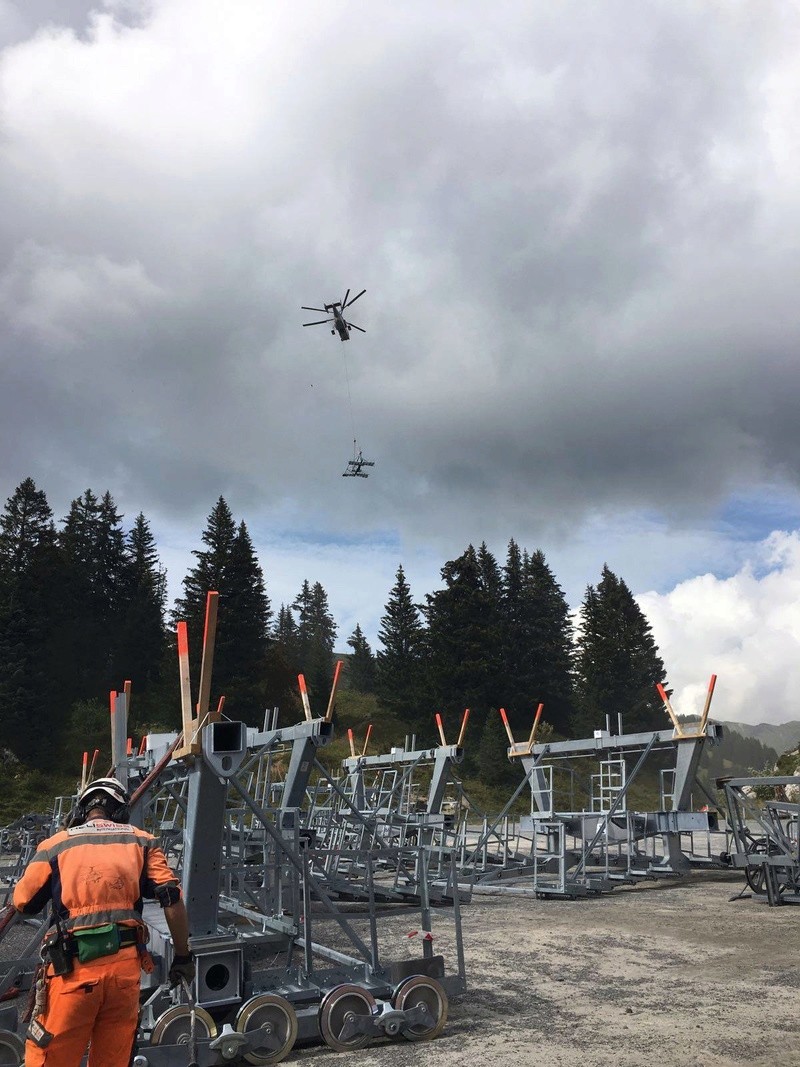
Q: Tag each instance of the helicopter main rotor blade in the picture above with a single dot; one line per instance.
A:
(352, 326)
(344, 302)
(356, 297)
(319, 322)
(303, 308)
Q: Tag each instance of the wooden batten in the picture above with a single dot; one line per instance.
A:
(366, 740)
(188, 721)
(440, 727)
(675, 722)
(463, 730)
(704, 720)
(209, 640)
(534, 728)
(336, 673)
(304, 695)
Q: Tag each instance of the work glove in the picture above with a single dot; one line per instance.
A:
(182, 967)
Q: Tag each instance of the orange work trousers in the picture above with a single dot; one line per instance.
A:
(96, 1005)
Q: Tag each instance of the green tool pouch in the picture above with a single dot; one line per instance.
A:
(100, 941)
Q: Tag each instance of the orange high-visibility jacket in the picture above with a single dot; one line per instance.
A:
(94, 874)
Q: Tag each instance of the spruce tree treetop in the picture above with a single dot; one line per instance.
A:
(618, 661)
(26, 523)
(361, 668)
(399, 662)
(208, 573)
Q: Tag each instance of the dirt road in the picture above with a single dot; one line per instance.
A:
(666, 974)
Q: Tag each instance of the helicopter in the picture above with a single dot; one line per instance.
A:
(353, 468)
(336, 311)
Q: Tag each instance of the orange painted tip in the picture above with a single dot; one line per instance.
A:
(112, 699)
(412, 933)
(129, 749)
(221, 705)
(438, 719)
(369, 731)
(143, 745)
(96, 754)
(465, 716)
(302, 683)
(503, 716)
(712, 683)
(661, 691)
(183, 639)
(85, 758)
(539, 711)
(350, 732)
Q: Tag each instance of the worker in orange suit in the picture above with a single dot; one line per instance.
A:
(95, 874)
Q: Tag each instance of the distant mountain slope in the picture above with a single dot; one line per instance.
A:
(780, 737)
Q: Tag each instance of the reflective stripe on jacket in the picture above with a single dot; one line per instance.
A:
(94, 874)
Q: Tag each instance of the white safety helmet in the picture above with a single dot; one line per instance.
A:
(108, 794)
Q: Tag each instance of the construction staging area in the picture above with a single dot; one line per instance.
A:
(367, 907)
(667, 974)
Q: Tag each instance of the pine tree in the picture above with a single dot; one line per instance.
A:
(302, 606)
(25, 525)
(399, 663)
(92, 543)
(618, 664)
(209, 572)
(245, 614)
(142, 638)
(33, 610)
(321, 637)
(361, 668)
(285, 637)
(463, 637)
(229, 566)
(283, 664)
(549, 678)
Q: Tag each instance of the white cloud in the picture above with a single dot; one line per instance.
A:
(745, 629)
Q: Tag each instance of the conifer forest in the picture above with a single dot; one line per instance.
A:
(83, 604)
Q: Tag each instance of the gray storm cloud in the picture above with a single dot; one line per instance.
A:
(574, 223)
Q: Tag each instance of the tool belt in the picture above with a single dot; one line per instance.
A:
(87, 945)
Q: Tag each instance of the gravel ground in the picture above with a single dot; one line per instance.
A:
(665, 974)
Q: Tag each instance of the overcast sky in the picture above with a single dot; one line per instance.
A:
(578, 227)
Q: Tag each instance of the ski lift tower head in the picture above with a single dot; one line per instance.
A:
(354, 467)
